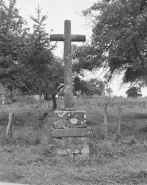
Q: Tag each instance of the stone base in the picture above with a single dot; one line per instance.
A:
(69, 118)
(71, 146)
(70, 133)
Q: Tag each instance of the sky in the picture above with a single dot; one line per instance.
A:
(58, 11)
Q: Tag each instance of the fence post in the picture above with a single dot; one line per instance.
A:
(9, 130)
(119, 117)
(105, 117)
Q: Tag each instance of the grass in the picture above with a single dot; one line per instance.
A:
(29, 157)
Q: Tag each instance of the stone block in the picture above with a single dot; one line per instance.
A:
(82, 157)
(69, 119)
(71, 146)
(62, 152)
(71, 132)
(69, 142)
(85, 150)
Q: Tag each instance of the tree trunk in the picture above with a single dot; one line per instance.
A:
(47, 96)
(54, 101)
(54, 96)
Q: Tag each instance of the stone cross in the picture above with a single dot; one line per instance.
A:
(67, 38)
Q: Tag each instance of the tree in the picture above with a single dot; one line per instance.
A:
(12, 33)
(134, 92)
(27, 63)
(33, 61)
(109, 91)
(83, 58)
(45, 68)
(40, 56)
(54, 83)
(97, 86)
(119, 39)
(90, 87)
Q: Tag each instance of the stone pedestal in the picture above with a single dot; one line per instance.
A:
(70, 133)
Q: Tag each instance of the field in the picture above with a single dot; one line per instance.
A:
(28, 157)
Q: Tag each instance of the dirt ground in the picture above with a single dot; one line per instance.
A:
(28, 157)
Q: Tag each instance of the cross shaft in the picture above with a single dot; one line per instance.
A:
(67, 38)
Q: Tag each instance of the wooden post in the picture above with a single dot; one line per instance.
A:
(67, 38)
(119, 116)
(105, 117)
(9, 130)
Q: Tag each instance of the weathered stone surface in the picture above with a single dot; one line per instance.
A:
(62, 152)
(74, 152)
(70, 119)
(71, 142)
(82, 157)
(71, 146)
(85, 150)
(71, 132)
(79, 140)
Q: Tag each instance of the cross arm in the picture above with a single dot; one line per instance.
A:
(78, 38)
(56, 37)
(61, 37)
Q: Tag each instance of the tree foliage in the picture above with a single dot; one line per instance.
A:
(45, 68)
(90, 87)
(12, 34)
(37, 56)
(27, 63)
(119, 39)
(134, 92)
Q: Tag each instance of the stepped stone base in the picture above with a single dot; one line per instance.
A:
(70, 133)
(71, 146)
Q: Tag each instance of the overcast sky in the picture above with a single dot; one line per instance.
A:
(58, 11)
